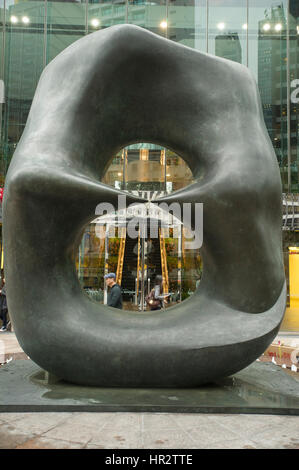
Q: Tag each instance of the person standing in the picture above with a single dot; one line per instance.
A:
(155, 299)
(114, 294)
(3, 307)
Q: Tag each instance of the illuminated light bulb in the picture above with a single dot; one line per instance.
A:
(25, 20)
(95, 22)
(163, 24)
(278, 27)
(245, 26)
(221, 26)
(13, 19)
(266, 27)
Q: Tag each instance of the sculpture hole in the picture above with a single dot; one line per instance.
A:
(156, 248)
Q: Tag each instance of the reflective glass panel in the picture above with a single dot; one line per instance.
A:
(24, 62)
(178, 173)
(114, 175)
(149, 15)
(66, 22)
(90, 262)
(102, 14)
(181, 22)
(200, 21)
(268, 61)
(145, 168)
(294, 97)
(157, 245)
(228, 29)
(192, 267)
(2, 33)
(2, 91)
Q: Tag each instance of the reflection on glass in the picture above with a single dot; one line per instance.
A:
(252, 32)
(65, 24)
(3, 165)
(114, 175)
(181, 22)
(294, 101)
(102, 14)
(227, 29)
(149, 15)
(107, 247)
(148, 167)
(268, 60)
(24, 62)
(178, 173)
(192, 267)
(145, 168)
(149, 171)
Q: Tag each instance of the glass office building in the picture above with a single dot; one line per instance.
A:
(261, 34)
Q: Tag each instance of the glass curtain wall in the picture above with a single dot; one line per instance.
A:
(268, 45)
(227, 29)
(262, 34)
(148, 168)
(293, 79)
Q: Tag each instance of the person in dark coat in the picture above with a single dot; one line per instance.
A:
(3, 307)
(114, 294)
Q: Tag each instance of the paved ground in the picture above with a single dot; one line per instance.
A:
(147, 431)
(9, 347)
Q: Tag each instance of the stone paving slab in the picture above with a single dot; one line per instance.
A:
(117, 430)
(10, 348)
(147, 431)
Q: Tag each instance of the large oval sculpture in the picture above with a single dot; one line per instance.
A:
(108, 90)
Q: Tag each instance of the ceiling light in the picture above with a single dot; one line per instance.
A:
(163, 24)
(13, 19)
(266, 27)
(25, 20)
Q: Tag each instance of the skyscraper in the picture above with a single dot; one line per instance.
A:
(272, 81)
(229, 47)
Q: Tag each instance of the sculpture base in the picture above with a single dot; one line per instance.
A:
(260, 388)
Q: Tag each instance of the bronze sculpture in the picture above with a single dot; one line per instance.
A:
(107, 90)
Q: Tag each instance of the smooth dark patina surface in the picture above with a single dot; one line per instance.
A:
(93, 99)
